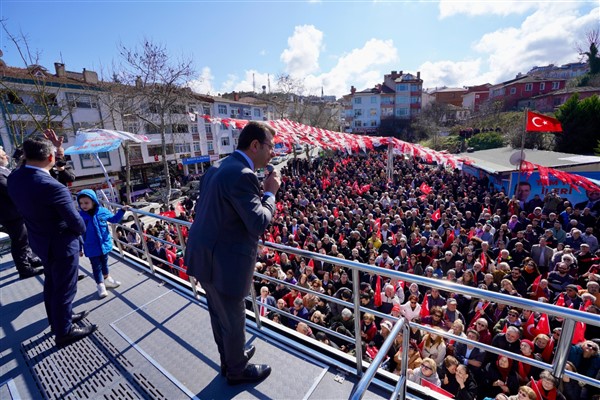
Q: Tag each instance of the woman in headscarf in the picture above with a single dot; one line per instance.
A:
(499, 377)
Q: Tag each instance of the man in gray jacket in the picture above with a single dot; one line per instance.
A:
(231, 215)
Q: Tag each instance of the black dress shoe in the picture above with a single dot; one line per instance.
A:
(29, 272)
(79, 316)
(76, 334)
(252, 373)
(248, 353)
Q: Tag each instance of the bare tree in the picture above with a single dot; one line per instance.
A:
(32, 97)
(161, 83)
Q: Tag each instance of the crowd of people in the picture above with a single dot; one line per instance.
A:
(440, 223)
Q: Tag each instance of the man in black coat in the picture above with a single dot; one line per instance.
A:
(24, 259)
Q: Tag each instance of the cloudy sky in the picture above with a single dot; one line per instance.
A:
(333, 45)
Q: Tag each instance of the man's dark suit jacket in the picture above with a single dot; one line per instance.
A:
(230, 216)
(53, 224)
(8, 211)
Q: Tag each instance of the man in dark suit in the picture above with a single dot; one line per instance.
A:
(54, 227)
(13, 224)
(231, 214)
(593, 203)
(542, 254)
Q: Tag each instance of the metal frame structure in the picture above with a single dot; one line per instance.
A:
(557, 367)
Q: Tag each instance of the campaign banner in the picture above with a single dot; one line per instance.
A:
(525, 188)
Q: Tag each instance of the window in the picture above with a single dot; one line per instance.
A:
(402, 87)
(89, 160)
(209, 145)
(257, 112)
(373, 99)
(358, 123)
(156, 150)
(76, 100)
(373, 111)
(401, 112)
(513, 90)
(225, 141)
(197, 147)
(528, 87)
(542, 85)
(224, 127)
(415, 88)
(179, 128)
(206, 110)
(358, 112)
(357, 100)
(178, 109)
(402, 99)
(152, 129)
(387, 100)
(247, 112)
(373, 122)
(222, 109)
(235, 112)
(194, 128)
(415, 100)
(555, 85)
(208, 128)
(182, 148)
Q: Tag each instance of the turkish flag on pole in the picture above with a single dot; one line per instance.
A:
(542, 123)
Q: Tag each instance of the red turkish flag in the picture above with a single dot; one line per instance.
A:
(542, 123)
(377, 298)
(425, 307)
(529, 330)
(436, 215)
(427, 384)
(579, 334)
(543, 325)
(425, 188)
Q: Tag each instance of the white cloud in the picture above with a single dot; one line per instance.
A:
(450, 73)
(263, 52)
(548, 36)
(449, 8)
(304, 47)
(234, 83)
(359, 67)
(204, 83)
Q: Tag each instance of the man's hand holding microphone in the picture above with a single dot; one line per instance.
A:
(272, 181)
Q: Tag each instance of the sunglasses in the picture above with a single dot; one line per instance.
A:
(426, 367)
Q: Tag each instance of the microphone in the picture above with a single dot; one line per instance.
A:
(270, 168)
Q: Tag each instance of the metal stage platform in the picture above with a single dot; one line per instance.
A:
(153, 342)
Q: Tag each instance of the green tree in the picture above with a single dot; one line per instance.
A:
(487, 140)
(580, 121)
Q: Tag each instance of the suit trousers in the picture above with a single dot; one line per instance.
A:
(19, 245)
(60, 287)
(228, 321)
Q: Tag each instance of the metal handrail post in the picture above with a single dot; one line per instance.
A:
(361, 386)
(357, 318)
(255, 307)
(138, 224)
(563, 348)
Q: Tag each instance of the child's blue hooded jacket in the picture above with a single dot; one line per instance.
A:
(97, 239)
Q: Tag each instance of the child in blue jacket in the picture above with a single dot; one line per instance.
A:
(97, 240)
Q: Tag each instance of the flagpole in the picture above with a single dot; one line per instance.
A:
(523, 142)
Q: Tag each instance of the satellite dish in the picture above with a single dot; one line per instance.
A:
(517, 157)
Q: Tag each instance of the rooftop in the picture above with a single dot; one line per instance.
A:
(497, 160)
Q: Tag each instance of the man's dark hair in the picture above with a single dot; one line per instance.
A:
(37, 149)
(254, 131)
(523, 183)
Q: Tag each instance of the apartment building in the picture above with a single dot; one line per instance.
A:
(399, 97)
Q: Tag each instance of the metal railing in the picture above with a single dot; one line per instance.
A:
(176, 275)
